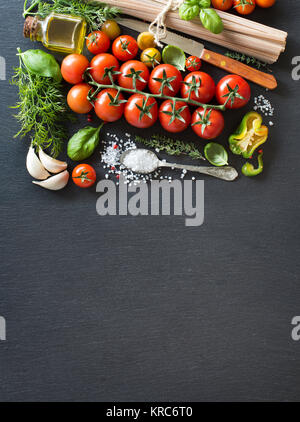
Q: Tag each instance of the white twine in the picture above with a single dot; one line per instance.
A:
(158, 26)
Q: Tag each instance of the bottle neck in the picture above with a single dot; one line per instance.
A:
(33, 28)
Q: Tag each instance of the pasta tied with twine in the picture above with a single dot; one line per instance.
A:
(158, 26)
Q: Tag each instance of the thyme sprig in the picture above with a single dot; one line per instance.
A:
(93, 12)
(251, 61)
(171, 146)
(41, 109)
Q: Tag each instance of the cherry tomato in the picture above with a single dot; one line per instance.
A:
(84, 176)
(97, 42)
(193, 63)
(244, 7)
(207, 123)
(109, 106)
(77, 98)
(125, 48)
(265, 3)
(99, 64)
(146, 40)
(233, 91)
(139, 112)
(133, 70)
(202, 87)
(222, 4)
(151, 57)
(166, 78)
(111, 29)
(73, 68)
(174, 117)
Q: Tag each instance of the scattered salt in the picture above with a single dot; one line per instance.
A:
(263, 105)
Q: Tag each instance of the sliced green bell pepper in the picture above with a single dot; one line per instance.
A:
(249, 135)
(248, 169)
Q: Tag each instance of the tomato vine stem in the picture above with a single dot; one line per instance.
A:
(158, 96)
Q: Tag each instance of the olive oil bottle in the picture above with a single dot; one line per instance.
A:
(61, 33)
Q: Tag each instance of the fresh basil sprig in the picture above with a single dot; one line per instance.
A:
(209, 18)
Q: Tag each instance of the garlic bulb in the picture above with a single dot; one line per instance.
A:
(50, 164)
(34, 166)
(57, 182)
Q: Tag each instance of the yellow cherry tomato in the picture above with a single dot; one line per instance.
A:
(146, 40)
(111, 29)
(151, 57)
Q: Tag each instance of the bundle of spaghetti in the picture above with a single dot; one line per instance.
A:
(239, 34)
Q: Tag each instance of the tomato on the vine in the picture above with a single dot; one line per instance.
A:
(125, 48)
(165, 78)
(109, 105)
(200, 86)
(244, 7)
(97, 42)
(77, 98)
(84, 176)
(131, 71)
(99, 64)
(73, 68)
(174, 116)
(140, 112)
(222, 4)
(193, 63)
(207, 123)
(233, 91)
(265, 3)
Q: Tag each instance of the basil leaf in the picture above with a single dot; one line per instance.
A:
(204, 4)
(41, 63)
(188, 11)
(83, 143)
(211, 21)
(174, 55)
(216, 154)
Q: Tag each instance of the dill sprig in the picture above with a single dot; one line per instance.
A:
(41, 109)
(171, 146)
(251, 61)
(93, 12)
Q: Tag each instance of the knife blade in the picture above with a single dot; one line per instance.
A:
(192, 47)
(197, 49)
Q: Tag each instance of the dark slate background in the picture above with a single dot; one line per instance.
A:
(145, 309)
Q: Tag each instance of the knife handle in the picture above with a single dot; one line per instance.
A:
(241, 69)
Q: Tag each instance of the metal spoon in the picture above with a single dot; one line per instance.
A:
(225, 173)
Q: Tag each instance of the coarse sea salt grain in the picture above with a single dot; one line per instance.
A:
(113, 148)
(263, 105)
(140, 161)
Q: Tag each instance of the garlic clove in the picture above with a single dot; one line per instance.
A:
(51, 164)
(34, 166)
(57, 182)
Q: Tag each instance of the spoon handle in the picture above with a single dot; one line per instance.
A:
(225, 173)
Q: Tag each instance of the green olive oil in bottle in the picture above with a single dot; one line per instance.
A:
(61, 33)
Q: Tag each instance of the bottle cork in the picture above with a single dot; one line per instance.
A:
(30, 27)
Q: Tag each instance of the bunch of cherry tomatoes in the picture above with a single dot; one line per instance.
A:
(133, 78)
(243, 7)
